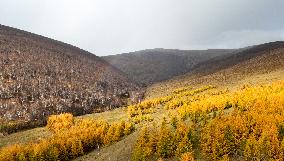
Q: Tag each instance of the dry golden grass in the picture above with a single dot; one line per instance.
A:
(32, 135)
(165, 88)
(109, 116)
(120, 151)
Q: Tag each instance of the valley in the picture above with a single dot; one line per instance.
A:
(155, 104)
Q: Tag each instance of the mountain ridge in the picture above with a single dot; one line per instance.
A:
(154, 65)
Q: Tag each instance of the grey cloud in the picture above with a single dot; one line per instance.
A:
(111, 26)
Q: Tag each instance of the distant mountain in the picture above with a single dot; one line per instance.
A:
(40, 76)
(241, 56)
(154, 65)
(255, 64)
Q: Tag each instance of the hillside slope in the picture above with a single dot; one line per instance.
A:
(40, 76)
(154, 65)
(257, 64)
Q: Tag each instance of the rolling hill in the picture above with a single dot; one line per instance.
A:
(40, 76)
(255, 64)
(154, 65)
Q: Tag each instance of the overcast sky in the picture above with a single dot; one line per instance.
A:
(106, 27)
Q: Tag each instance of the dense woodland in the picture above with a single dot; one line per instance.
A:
(40, 77)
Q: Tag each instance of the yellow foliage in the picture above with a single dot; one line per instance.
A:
(254, 127)
(79, 138)
(143, 147)
(176, 99)
(142, 118)
(163, 142)
(56, 123)
(187, 157)
(247, 124)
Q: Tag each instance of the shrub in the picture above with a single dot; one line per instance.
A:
(187, 157)
(60, 122)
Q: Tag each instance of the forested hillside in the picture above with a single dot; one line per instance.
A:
(41, 76)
